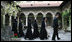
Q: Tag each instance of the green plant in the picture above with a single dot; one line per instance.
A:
(66, 17)
(10, 9)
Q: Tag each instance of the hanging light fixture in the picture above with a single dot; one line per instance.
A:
(48, 3)
(31, 4)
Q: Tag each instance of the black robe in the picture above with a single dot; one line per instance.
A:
(14, 26)
(29, 31)
(43, 32)
(13, 21)
(36, 32)
(21, 33)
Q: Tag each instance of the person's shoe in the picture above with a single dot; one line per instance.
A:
(58, 38)
(48, 36)
(30, 39)
(41, 39)
(53, 40)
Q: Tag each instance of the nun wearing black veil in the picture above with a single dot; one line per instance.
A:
(21, 33)
(43, 32)
(36, 32)
(14, 25)
(29, 31)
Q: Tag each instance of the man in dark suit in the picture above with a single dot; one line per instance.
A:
(55, 27)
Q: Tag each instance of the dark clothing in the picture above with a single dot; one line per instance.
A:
(13, 23)
(43, 32)
(29, 31)
(55, 22)
(14, 26)
(55, 28)
(36, 32)
(20, 30)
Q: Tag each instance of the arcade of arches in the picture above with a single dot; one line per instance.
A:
(33, 14)
(39, 17)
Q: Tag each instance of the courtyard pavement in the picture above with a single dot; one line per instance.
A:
(65, 36)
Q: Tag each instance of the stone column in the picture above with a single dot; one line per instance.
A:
(10, 20)
(17, 23)
(70, 25)
(3, 20)
(18, 15)
(44, 15)
(26, 20)
(52, 19)
(62, 23)
(35, 16)
(53, 16)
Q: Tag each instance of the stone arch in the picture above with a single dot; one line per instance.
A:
(6, 19)
(40, 12)
(39, 18)
(30, 12)
(23, 17)
(49, 19)
(31, 16)
(50, 12)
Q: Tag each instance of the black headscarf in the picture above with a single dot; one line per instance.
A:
(43, 23)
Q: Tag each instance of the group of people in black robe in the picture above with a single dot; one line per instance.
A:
(42, 34)
(14, 27)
